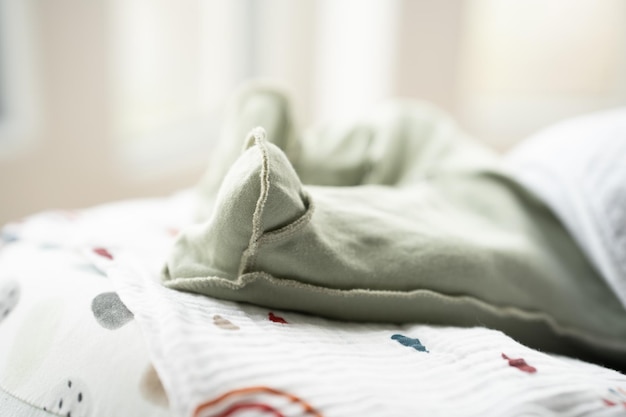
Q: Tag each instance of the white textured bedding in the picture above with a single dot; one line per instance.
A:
(578, 167)
(61, 337)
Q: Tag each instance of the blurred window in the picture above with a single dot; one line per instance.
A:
(529, 63)
(18, 92)
(2, 74)
(173, 63)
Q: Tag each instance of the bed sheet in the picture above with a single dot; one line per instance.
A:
(87, 330)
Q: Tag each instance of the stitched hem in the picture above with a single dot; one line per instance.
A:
(293, 227)
(259, 237)
(257, 137)
(201, 283)
(40, 408)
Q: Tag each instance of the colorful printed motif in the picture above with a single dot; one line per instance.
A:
(109, 310)
(410, 342)
(276, 319)
(152, 389)
(266, 400)
(71, 398)
(223, 323)
(520, 364)
(615, 397)
(103, 252)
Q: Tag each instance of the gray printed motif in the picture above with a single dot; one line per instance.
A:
(9, 297)
(69, 399)
(110, 311)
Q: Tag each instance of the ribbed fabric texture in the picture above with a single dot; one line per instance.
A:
(214, 356)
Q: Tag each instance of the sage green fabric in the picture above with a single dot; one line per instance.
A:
(402, 218)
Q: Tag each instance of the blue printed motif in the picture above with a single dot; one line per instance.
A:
(410, 342)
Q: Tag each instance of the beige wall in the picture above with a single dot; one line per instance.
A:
(429, 49)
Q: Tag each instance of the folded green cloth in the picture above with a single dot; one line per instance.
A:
(403, 218)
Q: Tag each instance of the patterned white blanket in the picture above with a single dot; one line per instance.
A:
(218, 358)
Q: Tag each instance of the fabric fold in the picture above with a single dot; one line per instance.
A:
(435, 231)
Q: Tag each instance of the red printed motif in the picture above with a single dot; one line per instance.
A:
(520, 364)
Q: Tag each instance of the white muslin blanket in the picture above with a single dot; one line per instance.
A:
(578, 167)
(218, 358)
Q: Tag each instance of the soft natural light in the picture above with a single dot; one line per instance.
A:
(173, 65)
(127, 97)
(537, 47)
(355, 55)
(19, 82)
(526, 64)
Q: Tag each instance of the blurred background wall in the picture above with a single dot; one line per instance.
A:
(109, 99)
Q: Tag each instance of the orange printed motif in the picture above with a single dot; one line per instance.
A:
(243, 400)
